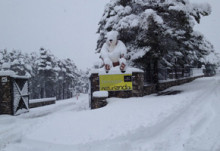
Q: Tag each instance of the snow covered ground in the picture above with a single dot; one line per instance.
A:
(188, 121)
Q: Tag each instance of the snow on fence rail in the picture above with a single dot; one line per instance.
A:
(41, 102)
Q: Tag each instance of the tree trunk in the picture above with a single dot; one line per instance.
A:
(155, 73)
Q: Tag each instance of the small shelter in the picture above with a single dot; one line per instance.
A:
(14, 93)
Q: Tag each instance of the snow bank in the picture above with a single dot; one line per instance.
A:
(187, 121)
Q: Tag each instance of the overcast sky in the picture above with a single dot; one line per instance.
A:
(68, 27)
(210, 25)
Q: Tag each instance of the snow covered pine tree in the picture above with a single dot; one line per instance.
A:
(46, 74)
(157, 33)
(49, 76)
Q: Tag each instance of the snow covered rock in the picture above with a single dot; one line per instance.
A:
(99, 99)
(100, 94)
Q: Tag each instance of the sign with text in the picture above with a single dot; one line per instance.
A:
(4, 79)
(115, 82)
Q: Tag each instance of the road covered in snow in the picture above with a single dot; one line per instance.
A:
(187, 121)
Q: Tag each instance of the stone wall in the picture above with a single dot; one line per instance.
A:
(139, 89)
(39, 104)
(149, 89)
(138, 84)
(164, 85)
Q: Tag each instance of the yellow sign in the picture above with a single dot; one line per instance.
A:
(115, 82)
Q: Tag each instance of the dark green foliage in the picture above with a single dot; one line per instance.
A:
(157, 33)
(49, 76)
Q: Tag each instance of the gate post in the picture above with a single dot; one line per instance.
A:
(14, 93)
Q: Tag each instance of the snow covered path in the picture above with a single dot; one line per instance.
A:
(14, 128)
(188, 121)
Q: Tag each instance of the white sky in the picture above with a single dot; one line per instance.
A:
(210, 25)
(68, 27)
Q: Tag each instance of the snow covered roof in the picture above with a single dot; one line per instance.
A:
(12, 74)
(115, 70)
(7, 73)
(20, 77)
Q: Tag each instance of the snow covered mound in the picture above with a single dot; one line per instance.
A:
(188, 121)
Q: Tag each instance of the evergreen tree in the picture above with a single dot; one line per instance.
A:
(49, 76)
(34, 81)
(70, 77)
(18, 62)
(157, 33)
(46, 74)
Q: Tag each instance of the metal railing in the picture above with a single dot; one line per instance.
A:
(172, 74)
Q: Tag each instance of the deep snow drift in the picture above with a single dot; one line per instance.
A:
(188, 121)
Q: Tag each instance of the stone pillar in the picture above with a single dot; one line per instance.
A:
(14, 95)
(5, 95)
(98, 102)
(138, 84)
(99, 99)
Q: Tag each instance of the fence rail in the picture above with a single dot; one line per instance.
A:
(172, 74)
(41, 102)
